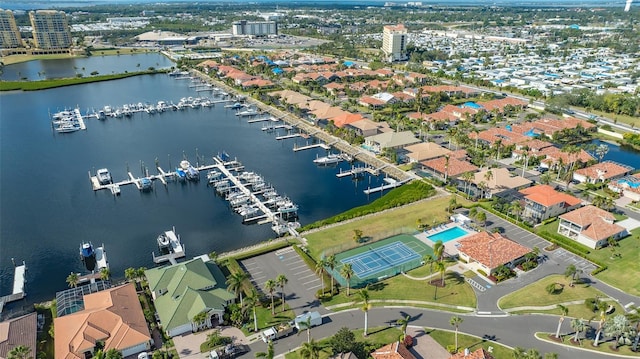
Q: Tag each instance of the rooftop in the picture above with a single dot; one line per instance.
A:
(491, 249)
(547, 196)
(597, 224)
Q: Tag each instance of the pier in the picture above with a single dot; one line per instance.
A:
(284, 137)
(391, 183)
(354, 171)
(18, 286)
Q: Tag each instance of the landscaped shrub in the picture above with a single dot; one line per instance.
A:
(482, 272)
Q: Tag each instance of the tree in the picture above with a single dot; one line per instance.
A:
(446, 166)
(438, 250)
(251, 302)
(331, 263)
(73, 279)
(571, 271)
(516, 208)
(357, 235)
(200, 318)
(602, 151)
(235, 283)
(634, 318)
(343, 341)
(20, 352)
(455, 321)
(311, 350)
(428, 260)
(617, 327)
(347, 272)
(270, 286)
(439, 267)
(579, 326)
(404, 323)
(213, 256)
(113, 354)
(467, 177)
(320, 271)
(601, 322)
(563, 312)
(307, 326)
(453, 204)
(105, 273)
(282, 280)
(364, 295)
(131, 274)
(269, 354)
(482, 218)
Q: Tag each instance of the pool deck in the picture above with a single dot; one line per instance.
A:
(450, 248)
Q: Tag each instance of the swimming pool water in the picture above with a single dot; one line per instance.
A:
(448, 235)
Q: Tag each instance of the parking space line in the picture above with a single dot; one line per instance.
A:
(307, 276)
(294, 263)
(300, 266)
(311, 281)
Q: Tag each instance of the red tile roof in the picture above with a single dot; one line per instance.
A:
(456, 166)
(604, 170)
(395, 350)
(18, 331)
(491, 249)
(597, 224)
(547, 196)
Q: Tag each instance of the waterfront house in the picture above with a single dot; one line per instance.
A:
(367, 127)
(182, 291)
(543, 202)
(425, 151)
(112, 318)
(19, 331)
(602, 172)
(554, 157)
(590, 226)
(447, 167)
(395, 350)
(628, 186)
(487, 251)
(390, 140)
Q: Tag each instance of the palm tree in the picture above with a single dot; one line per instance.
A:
(446, 167)
(467, 177)
(251, 302)
(602, 151)
(428, 260)
(130, 273)
(438, 250)
(571, 271)
(525, 154)
(347, 272)
(439, 267)
(307, 326)
(200, 318)
(456, 321)
(357, 235)
(617, 327)
(235, 283)
(364, 295)
(72, 280)
(20, 352)
(634, 318)
(515, 208)
(282, 280)
(331, 263)
(320, 271)
(269, 354)
(105, 273)
(489, 176)
(579, 326)
(482, 218)
(404, 323)
(563, 312)
(270, 286)
(453, 203)
(311, 350)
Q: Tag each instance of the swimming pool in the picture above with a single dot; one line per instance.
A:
(448, 234)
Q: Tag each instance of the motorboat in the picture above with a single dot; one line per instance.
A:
(169, 243)
(68, 127)
(330, 159)
(103, 175)
(181, 174)
(145, 184)
(235, 106)
(88, 255)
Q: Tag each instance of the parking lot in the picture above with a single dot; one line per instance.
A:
(302, 284)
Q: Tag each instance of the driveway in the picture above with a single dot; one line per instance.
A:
(303, 282)
(188, 345)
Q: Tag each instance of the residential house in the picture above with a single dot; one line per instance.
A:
(367, 127)
(345, 119)
(499, 182)
(181, 291)
(487, 251)
(499, 104)
(543, 202)
(19, 331)
(590, 226)
(480, 353)
(396, 350)
(112, 318)
(448, 167)
(555, 158)
(628, 186)
(378, 100)
(390, 140)
(425, 151)
(602, 172)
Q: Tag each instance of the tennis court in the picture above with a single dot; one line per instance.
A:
(386, 258)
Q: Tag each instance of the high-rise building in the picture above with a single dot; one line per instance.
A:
(254, 28)
(394, 42)
(9, 33)
(50, 29)
(627, 6)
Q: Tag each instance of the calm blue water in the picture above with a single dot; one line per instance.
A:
(624, 155)
(448, 234)
(50, 69)
(47, 207)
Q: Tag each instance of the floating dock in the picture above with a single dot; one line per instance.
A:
(392, 183)
(19, 280)
(354, 171)
(308, 147)
(284, 137)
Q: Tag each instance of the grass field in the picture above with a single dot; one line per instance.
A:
(427, 211)
(14, 59)
(575, 311)
(445, 338)
(603, 347)
(535, 294)
(622, 271)
(122, 51)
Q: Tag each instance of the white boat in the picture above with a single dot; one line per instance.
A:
(169, 242)
(288, 207)
(330, 159)
(103, 175)
(191, 172)
(234, 106)
(249, 112)
(68, 127)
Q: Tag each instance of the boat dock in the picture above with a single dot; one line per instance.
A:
(391, 183)
(169, 241)
(354, 171)
(18, 286)
(308, 147)
(79, 118)
(285, 137)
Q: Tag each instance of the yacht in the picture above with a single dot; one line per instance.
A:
(235, 106)
(169, 242)
(68, 127)
(190, 171)
(330, 159)
(104, 177)
(145, 184)
(88, 255)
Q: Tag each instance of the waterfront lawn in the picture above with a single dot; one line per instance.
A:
(605, 346)
(119, 51)
(535, 294)
(379, 224)
(14, 59)
(445, 337)
(47, 84)
(377, 337)
(456, 292)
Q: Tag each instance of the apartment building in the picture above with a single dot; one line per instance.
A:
(254, 28)
(50, 29)
(9, 34)
(394, 42)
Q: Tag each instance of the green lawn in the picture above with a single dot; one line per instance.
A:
(122, 51)
(14, 59)
(445, 338)
(575, 311)
(622, 271)
(603, 347)
(266, 319)
(456, 292)
(535, 294)
(377, 337)
(380, 224)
